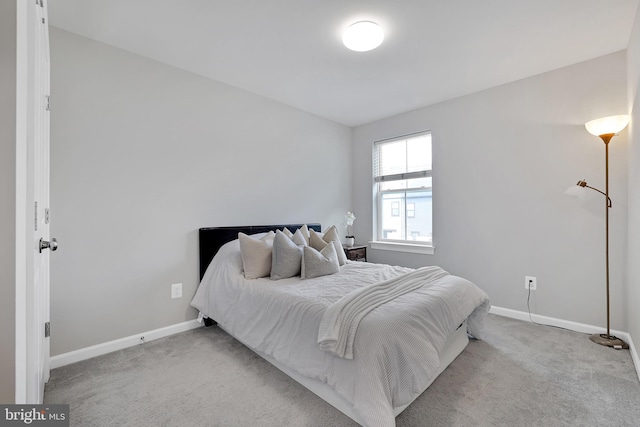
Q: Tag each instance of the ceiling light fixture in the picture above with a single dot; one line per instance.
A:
(363, 36)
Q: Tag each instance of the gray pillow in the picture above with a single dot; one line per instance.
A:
(316, 241)
(322, 263)
(286, 257)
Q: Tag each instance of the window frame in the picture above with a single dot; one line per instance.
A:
(402, 245)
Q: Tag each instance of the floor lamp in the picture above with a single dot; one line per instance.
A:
(605, 128)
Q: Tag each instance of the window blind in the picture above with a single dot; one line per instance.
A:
(403, 158)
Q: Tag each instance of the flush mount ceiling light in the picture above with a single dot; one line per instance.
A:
(363, 36)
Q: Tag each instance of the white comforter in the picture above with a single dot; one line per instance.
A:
(396, 348)
(339, 324)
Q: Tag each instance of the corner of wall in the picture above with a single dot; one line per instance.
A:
(633, 241)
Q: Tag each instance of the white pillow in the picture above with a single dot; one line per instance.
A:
(304, 230)
(299, 239)
(286, 257)
(330, 236)
(315, 264)
(256, 255)
(287, 233)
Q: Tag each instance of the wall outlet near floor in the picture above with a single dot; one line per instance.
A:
(176, 290)
(530, 282)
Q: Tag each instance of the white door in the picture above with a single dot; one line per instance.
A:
(40, 243)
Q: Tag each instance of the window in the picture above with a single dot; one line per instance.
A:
(411, 210)
(402, 179)
(395, 208)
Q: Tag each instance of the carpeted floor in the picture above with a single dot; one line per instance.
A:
(522, 374)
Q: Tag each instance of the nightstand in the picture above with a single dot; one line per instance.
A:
(356, 252)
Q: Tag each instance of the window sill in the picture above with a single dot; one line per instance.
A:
(403, 247)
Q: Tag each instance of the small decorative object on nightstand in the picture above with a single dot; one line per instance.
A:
(356, 252)
(349, 239)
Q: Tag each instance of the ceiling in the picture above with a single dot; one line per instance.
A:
(291, 50)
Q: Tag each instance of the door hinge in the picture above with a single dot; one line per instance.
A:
(48, 102)
(47, 329)
(41, 3)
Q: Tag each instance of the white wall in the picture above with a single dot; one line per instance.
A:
(143, 154)
(502, 161)
(8, 200)
(633, 280)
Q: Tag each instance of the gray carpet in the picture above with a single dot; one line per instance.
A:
(521, 375)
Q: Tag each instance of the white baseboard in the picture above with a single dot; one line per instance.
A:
(573, 326)
(634, 355)
(119, 344)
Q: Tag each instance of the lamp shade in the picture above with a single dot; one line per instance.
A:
(363, 36)
(576, 191)
(607, 125)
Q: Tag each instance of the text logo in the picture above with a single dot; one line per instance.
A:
(34, 415)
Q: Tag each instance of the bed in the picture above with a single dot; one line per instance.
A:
(397, 348)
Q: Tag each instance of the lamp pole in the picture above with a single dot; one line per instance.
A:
(606, 128)
(606, 138)
(608, 339)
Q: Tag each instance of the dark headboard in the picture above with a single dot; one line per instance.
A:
(211, 239)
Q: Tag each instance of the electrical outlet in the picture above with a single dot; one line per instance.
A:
(176, 290)
(530, 282)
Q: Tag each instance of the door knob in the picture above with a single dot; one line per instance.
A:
(53, 244)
